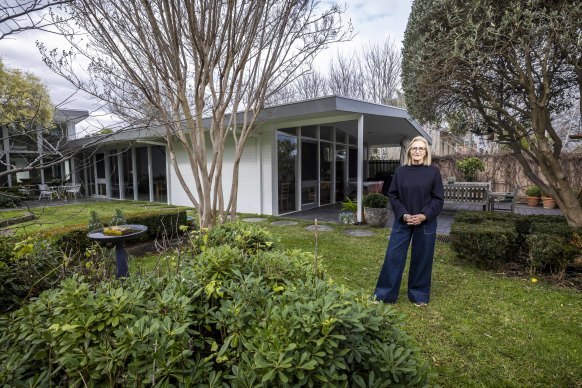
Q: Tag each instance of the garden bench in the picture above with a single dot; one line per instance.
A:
(471, 193)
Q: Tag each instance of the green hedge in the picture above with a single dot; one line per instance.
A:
(253, 320)
(486, 244)
(491, 239)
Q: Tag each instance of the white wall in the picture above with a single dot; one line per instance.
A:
(251, 191)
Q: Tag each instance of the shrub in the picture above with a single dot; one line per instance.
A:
(533, 191)
(491, 242)
(469, 167)
(161, 223)
(248, 238)
(117, 219)
(550, 252)
(375, 200)
(94, 221)
(245, 326)
(30, 267)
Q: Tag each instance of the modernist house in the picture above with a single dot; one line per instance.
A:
(303, 155)
(23, 147)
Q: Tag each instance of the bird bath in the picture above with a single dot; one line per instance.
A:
(119, 241)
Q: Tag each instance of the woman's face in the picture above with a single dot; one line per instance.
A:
(417, 152)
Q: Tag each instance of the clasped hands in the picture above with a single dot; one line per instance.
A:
(414, 219)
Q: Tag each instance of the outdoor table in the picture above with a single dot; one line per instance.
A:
(119, 241)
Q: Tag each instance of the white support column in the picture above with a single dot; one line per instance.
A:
(120, 179)
(150, 174)
(134, 175)
(360, 166)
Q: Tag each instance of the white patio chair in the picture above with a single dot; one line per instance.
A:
(46, 192)
(74, 190)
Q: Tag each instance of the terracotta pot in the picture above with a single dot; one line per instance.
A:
(548, 203)
(532, 201)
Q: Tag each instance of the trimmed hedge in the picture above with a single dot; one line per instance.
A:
(487, 243)
(491, 239)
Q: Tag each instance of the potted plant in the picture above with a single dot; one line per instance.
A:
(348, 213)
(376, 209)
(548, 202)
(469, 167)
(533, 194)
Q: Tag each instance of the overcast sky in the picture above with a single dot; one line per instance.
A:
(373, 20)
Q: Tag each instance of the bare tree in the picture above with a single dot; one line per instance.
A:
(185, 59)
(346, 76)
(381, 69)
(22, 15)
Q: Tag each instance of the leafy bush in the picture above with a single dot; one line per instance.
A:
(349, 205)
(94, 222)
(550, 252)
(11, 197)
(30, 267)
(161, 223)
(53, 254)
(375, 200)
(469, 167)
(248, 238)
(533, 191)
(491, 242)
(260, 320)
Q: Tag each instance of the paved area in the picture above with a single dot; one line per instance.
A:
(330, 213)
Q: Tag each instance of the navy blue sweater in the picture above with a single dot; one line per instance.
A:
(416, 189)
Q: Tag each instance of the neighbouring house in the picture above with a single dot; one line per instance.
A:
(303, 155)
(20, 148)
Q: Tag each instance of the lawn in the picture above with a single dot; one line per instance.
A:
(480, 329)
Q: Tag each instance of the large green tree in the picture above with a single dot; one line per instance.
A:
(507, 68)
(24, 100)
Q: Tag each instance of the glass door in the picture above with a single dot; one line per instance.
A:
(325, 166)
(287, 161)
(309, 174)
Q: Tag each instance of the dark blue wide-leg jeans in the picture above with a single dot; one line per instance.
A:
(419, 275)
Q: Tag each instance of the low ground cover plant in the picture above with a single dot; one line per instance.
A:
(235, 316)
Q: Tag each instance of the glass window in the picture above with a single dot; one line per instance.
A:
(309, 131)
(326, 132)
(286, 159)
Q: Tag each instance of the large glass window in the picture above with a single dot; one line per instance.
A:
(308, 174)
(286, 159)
(159, 173)
(141, 165)
(127, 174)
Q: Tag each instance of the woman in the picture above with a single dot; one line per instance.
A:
(416, 196)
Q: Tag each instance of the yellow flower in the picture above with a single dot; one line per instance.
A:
(534, 280)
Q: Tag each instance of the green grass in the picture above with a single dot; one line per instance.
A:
(55, 216)
(480, 329)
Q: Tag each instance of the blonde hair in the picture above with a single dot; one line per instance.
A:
(427, 156)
